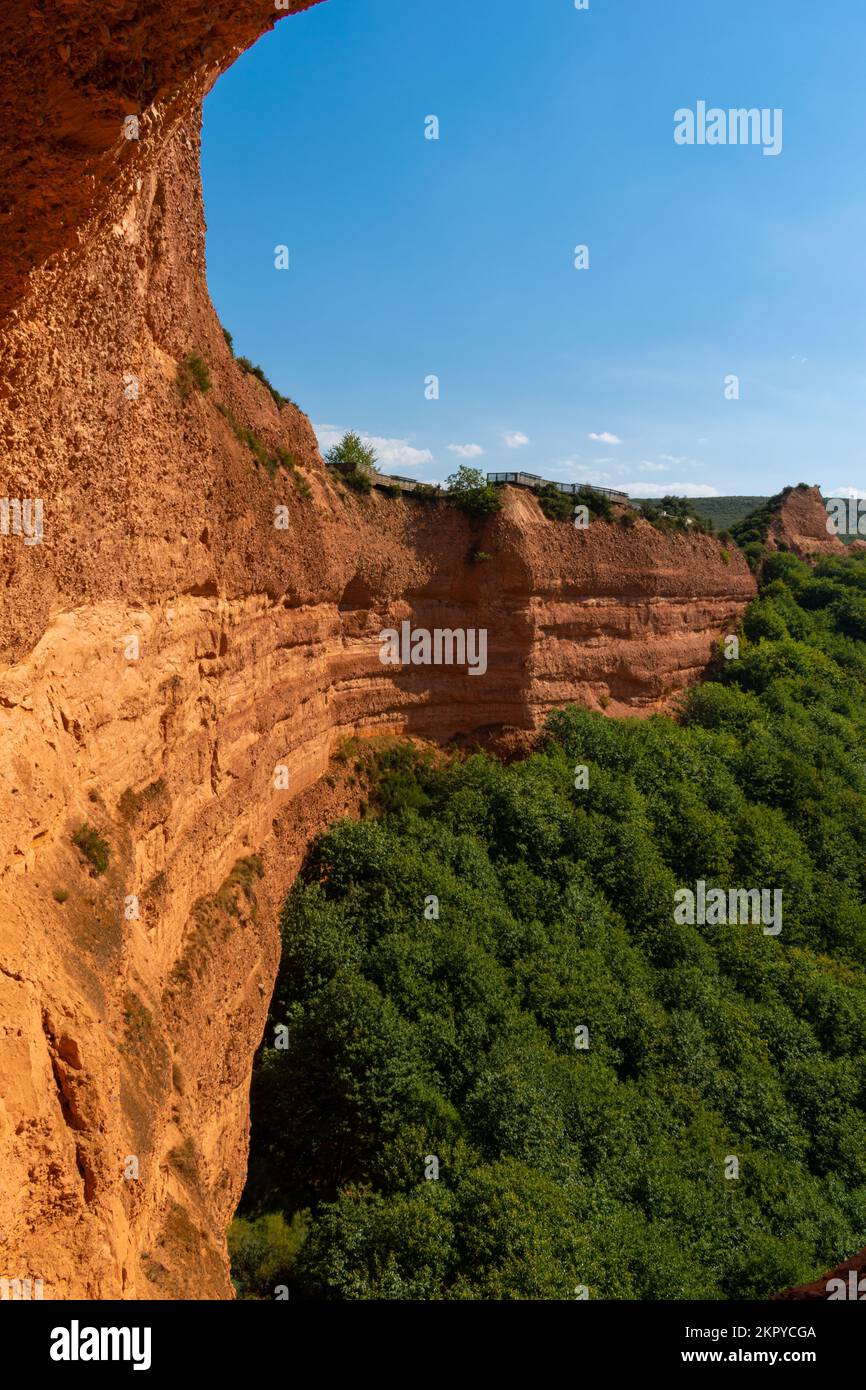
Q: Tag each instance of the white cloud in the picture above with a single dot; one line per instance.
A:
(516, 440)
(592, 475)
(681, 461)
(466, 451)
(670, 489)
(328, 435)
(846, 492)
(647, 467)
(390, 453)
(605, 438)
(399, 452)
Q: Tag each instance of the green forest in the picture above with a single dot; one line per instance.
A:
(508, 1073)
(725, 512)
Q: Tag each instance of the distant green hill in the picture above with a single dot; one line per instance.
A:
(726, 511)
(722, 511)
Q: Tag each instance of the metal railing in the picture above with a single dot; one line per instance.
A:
(532, 480)
(389, 480)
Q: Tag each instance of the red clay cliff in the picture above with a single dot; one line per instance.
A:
(167, 647)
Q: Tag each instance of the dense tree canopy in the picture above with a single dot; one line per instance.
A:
(441, 958)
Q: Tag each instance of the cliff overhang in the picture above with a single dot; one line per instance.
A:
(165, 648)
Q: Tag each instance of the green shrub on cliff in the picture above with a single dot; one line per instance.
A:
(469, 490)
(192, 375)
(556, 505)
(94, 848)
(259, 373)
(354, 461)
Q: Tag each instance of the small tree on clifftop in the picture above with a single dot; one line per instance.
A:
(470, 490)
(353, 460)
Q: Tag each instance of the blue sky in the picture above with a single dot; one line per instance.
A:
(455, 258)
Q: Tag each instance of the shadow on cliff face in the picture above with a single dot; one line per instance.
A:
(258, 648)
(356, 597)
(428, 1119)
(71, 76)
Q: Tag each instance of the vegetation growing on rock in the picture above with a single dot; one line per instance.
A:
(470, 490)
(354, 461)
(192, 375)
(416, 1034)
(92, 845)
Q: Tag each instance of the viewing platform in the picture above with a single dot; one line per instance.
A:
(533, 481)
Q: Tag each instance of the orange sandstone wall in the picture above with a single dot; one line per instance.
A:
(132, 1036)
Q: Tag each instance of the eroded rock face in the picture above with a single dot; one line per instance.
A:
(166, 648)
(801, 526)
(70, 74)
